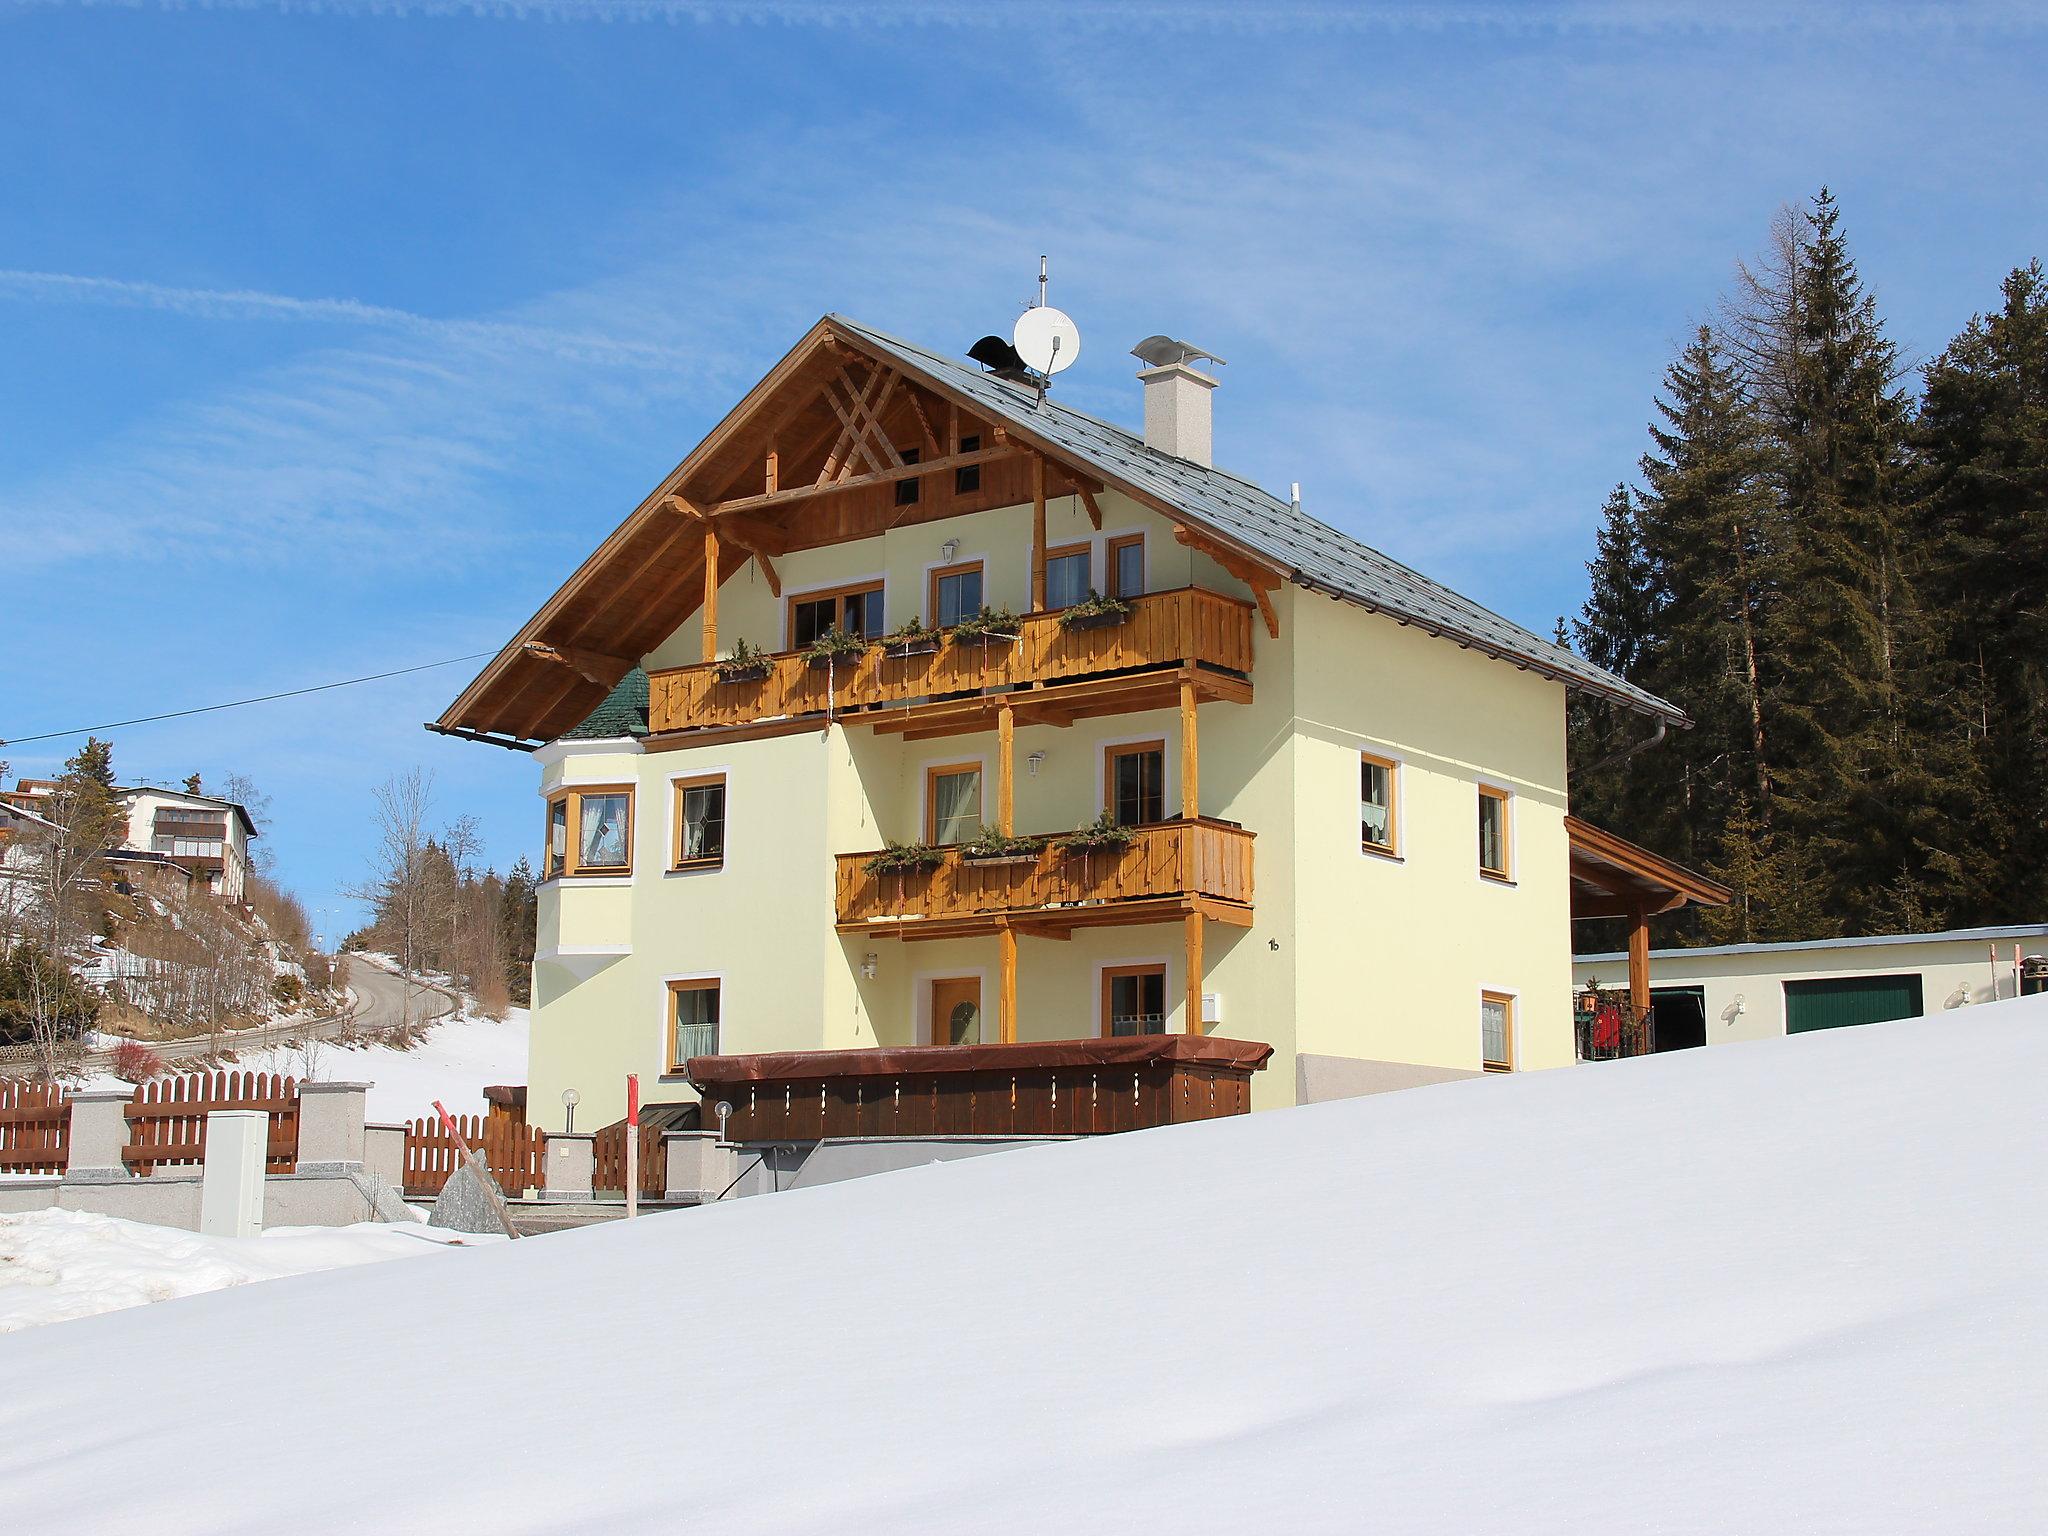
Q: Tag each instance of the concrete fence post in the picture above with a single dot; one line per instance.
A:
(331, 1118)
(384, 1153)
(231, 1187)
(98, 1133)
(571, 1166)
(700, 1166)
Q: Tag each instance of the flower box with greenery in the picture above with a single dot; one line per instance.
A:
(997, 625)
(905, 859)
(913, 637)
(1105, 831)
(1095, 611)
(746, 664)
(836, 644)
(991, 847)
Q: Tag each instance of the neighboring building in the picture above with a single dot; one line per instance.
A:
(1729, 992)
(173, 837)
(1344, 784)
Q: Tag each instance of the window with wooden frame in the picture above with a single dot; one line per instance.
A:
(952, 803)
(857, 609)
(1069, 575)
(908, 490)
(1126, 560)
(967, 478)
(1134, 782)
(1495, 829)
(955, 593)
(1379, 781)
(692, 1021)
(1497, 1031)
(700, 822)
(590, 831)
(1133, 1000)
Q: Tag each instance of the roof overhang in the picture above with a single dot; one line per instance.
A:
(1613, 877)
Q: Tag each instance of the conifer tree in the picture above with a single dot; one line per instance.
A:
(95, 761)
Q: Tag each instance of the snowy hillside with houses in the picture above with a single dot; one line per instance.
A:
(1792, 1286)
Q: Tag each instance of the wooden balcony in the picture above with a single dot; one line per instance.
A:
(1190, 633)
(1167, 871)
(1036, 1088)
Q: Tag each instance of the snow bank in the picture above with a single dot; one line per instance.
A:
(459, 1058)
(1795, 1286)
(56, 1265)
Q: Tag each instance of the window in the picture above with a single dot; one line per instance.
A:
(1497, 1031)
(692, 1021)
(967, 478)
(907, 491)
(1134, 782)
(700, 822)
(955, 593)
(1126, 565)
(1069, 574)
(1493, 832)
(952, 803)
(1376, 780)
(1134, 1000)
(858, 610)
(590, 831)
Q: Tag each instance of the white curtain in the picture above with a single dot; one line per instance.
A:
(1493, 1029)
(604, 830)
(956, 809)
(1374, 812)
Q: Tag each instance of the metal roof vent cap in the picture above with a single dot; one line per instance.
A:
(1177, 410)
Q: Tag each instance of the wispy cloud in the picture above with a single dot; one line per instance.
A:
(249, 304)
(1240, 17)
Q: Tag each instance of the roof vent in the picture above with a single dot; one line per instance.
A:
(1177, 413)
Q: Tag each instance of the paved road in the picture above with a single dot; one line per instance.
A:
(383, 1000)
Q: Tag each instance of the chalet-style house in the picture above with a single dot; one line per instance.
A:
(175, 839)
(915, 708)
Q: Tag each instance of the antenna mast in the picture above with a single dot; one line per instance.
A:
(1041, 283)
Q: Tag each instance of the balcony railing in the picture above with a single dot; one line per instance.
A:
(1204, 859)
(1189, 626)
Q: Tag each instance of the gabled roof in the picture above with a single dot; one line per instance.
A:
(1308, 552)
(644, 579)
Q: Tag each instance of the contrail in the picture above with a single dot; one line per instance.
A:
(251, 304)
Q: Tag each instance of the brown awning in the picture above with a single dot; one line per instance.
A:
(1125, 1051)
(1613, 877)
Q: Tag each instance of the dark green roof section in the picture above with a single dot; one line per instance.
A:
(623, 712)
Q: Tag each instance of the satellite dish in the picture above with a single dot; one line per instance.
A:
(1046, 339)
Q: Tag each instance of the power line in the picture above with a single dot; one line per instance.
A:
(265, 698)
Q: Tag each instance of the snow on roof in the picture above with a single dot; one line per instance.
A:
(1800, 946)
(1793, 1286)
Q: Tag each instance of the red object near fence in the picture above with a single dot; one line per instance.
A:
(515, 1152)
(167, 1118)
(35, 1127)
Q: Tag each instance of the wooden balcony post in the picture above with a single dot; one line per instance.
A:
(710, 592)
(1006, 770)
(1006, 995)
(1193, 922)
(1037, 534)
(1190, 765)
(1639, 957)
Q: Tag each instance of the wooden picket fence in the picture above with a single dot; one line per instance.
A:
(35, 1127)
(167, 1117)
(515, 1152)
(608, 1174)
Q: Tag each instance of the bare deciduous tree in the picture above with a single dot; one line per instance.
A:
(400, 887)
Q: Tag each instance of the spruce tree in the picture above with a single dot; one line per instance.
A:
(95, 761)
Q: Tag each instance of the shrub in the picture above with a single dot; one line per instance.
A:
(1105, 831)
(287, 991)
(1096, 605)
(835, 643)
(902, 858)
(991, 844)
(136, 1062)
(989, 624)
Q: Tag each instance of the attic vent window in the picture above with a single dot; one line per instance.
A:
(907, 491)
(967, 479)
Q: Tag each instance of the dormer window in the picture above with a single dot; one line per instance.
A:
(907, 491)
(967, 478)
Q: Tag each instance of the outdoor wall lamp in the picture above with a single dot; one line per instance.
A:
(570, 1099)
(1037, 761)
(868, 964)
(949, 549)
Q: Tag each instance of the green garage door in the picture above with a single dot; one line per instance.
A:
(1843, 1000)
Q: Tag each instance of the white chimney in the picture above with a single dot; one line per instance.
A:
(1177, 410)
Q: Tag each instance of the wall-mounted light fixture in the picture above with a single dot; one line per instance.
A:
(868, 964)
(1037, 761)
(570, 1099)
(950, 549)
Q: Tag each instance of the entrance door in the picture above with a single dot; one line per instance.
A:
(1840, 1000)
(956, 1011)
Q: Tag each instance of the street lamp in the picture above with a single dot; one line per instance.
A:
(570, 1099)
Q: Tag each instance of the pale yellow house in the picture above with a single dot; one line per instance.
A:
(1336, 789)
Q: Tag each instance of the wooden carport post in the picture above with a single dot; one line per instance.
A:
(1006, 995)
(1194, 961)
(710, 616)
(1639, 958)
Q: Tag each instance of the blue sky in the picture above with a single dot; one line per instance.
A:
(331, 338)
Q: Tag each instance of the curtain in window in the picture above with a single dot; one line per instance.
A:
(696, 1023)
(704, 821)
(1128, 576)
(1137, 1004)
(959, 596)
(956, 806)
(1375, 807)
(604, 830)
(1493, 1030)
(558, 836)
(1066, 580)
(1492, 854)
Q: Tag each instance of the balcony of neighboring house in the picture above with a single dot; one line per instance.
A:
(1054, 668)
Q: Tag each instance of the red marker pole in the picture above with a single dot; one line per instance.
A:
(632, 1144)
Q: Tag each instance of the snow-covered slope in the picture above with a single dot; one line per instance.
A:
(1799, 1286)
(456, 1060)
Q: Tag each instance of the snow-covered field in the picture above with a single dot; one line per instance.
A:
(458, 1059)
(56, 1265)
(1799, 1286)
